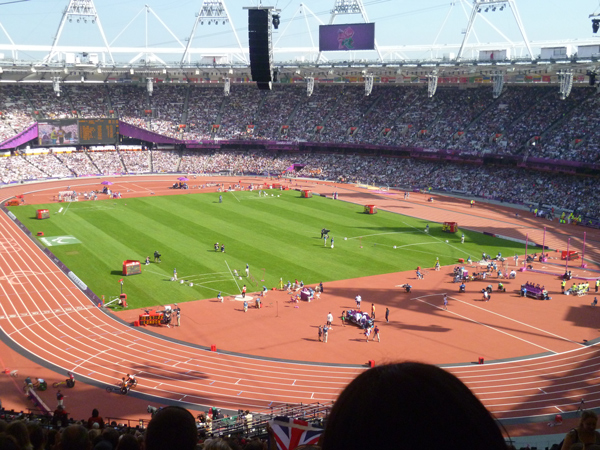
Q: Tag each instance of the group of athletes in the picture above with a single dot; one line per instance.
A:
(126, 384)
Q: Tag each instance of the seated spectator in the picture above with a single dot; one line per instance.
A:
(8, 442)
(60, 417)
(216, 444)
(411, 406)
(75, 437)
(110, 435)
(584, 435)
(37, 437)
(128, 442)
(18, 430)
(96, 419)
(172, 427)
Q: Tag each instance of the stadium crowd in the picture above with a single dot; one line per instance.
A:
(526, 119)
(404, 395)
(511, 185)
(19, 431)
(530, 121)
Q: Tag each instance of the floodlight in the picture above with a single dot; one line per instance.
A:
(276, 21)
(595, 25)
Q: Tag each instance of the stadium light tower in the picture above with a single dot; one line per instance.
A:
(56, 85)
(150, 86)
(310, 86)
(498, 84)
(432, 83)
(212, 12)
(480, 6)
(350, 7)
(595, 21)
(565, 81)
(79, 10)
(368, 84)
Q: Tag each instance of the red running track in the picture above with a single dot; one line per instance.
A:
(48, 317)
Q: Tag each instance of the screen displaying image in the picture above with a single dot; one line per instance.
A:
(58, 132)
(347, 37)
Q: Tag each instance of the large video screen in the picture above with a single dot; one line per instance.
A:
(347, 37)
(98, 131)
(58, 132)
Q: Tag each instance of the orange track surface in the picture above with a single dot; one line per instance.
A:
(45, 315)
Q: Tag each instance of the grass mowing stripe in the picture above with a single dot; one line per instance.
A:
(280, 234)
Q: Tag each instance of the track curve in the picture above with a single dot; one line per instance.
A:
(48, 317)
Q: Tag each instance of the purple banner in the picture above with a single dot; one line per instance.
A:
(345, 37)
(554, 162)
(126, 129)
(22, 138)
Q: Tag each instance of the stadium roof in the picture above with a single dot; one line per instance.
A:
(80, 50)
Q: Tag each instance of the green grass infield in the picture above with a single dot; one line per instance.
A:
(278, 236)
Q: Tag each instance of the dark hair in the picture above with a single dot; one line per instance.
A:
(36, 435)
(128, 442)
(95, 412)
(8, 442)
(172, 427)
(18, 430)
(587, 414)
(111, 435)
(407, 406)
(75, 437)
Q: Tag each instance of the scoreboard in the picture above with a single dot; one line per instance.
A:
(98, 131)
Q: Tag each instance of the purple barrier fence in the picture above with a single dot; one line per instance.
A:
(22, 138)
(126, 129)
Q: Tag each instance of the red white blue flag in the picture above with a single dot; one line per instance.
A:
(290, 433)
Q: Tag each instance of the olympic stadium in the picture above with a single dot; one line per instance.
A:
(163, 134)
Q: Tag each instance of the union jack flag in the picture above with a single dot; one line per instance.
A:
(290, 433)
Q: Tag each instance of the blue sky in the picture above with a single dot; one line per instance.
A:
(398, 22)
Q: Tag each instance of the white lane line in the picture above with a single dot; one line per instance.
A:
(521, 323)
(487, 326)
(233, 276)
(91, 357)
(68, 206)
(141, 187)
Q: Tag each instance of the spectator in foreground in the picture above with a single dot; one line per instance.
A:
(18, 430)
(411, 406)
(37, 437)
(75, 437)
(585, 435)
(172, 427)
(128, 442)
(7, 442)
